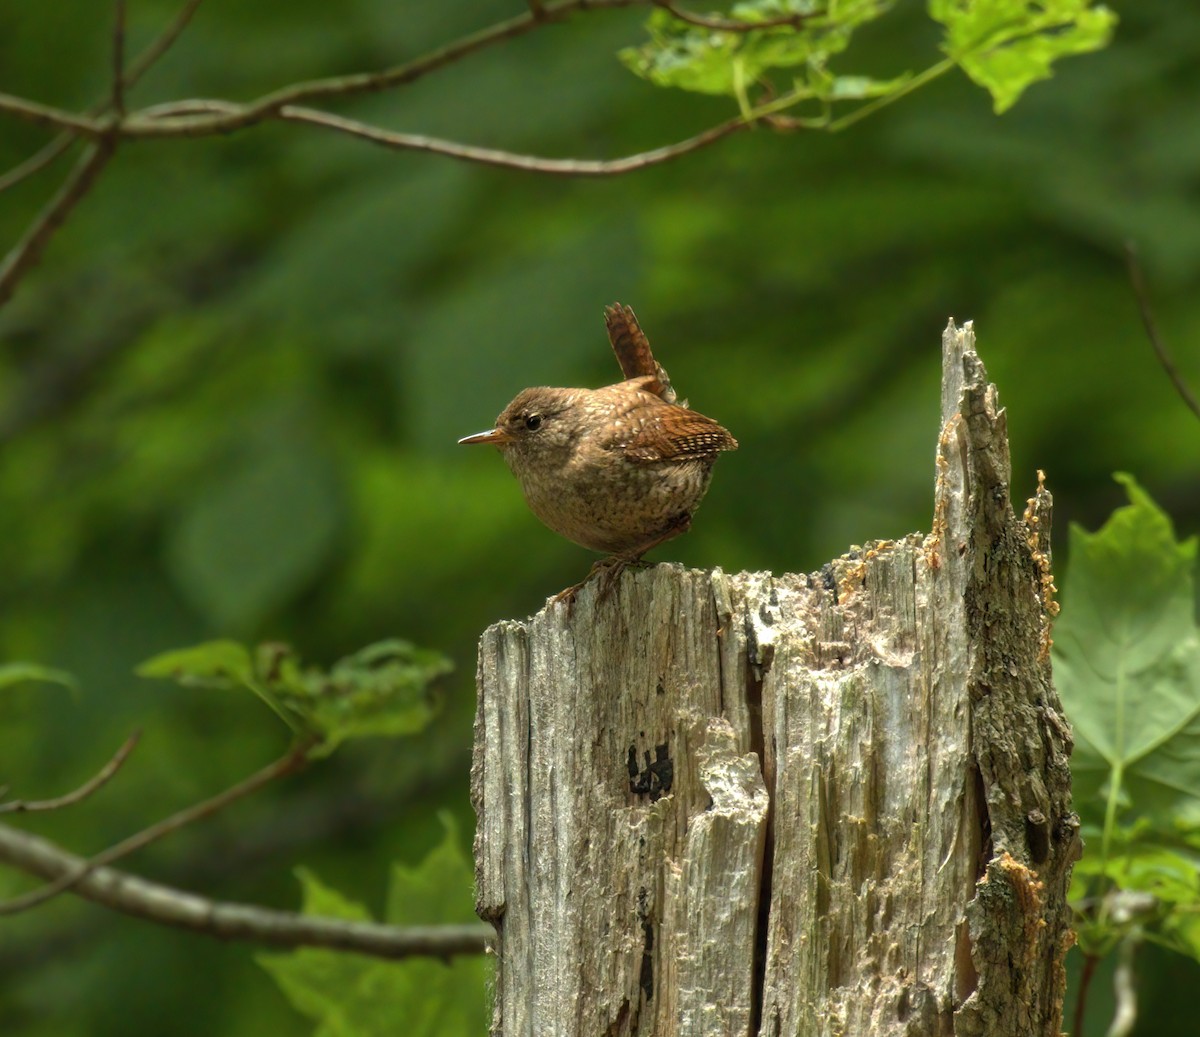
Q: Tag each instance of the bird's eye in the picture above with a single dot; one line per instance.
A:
(533, 422)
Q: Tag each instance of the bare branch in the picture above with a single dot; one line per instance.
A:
(117, 102)
(1090, 961)
(229, 921)
(398, 141)
(366, 82)
(200, 118)
(265, 106)
(292, 761)
(93, 784)
(1157, 344)
(28, 250)
(142, 63)
(36, 162)
(47, 115)
(508, 159)
(718, 24)
(136, 69)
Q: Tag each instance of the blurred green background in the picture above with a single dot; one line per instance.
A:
(229, 398)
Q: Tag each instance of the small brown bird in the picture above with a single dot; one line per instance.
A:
(619, 469)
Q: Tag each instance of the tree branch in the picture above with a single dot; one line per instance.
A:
(28, 250)
(1156, 343)
(93, 784)
(166, 39)
(36, 162)
(117, 101)
(134, 72)
(335, 86)
(202, 118)
(47, 115)
(398, 141)
(165, 905)
(508, 159)
(292, 761)
(364, 82)
(1090, 961)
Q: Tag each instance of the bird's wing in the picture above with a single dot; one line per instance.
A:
(678, 434)
(632, 349)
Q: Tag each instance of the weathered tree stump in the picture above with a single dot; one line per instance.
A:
(827, 804)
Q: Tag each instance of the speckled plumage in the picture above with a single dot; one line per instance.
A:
(612, 469)
(618, 469)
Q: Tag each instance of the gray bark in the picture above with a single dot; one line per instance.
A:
(834, 803)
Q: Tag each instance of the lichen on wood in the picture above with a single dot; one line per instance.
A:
(834, 803)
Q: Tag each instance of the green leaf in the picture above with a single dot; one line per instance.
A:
(433, 892)
(213, 664)
(1006, 45)
(1127, 662)
(382, 689)
(690, 57)
(1167, 910)
(1172, 876)
(350, 995)
(20, 673)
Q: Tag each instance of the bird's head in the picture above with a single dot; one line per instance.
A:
(536, 424)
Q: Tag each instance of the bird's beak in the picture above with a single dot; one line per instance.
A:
(495, 436)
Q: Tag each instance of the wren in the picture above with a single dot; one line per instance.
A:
(619, 469)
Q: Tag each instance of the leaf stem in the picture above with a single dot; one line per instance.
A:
(1110, 812)
(917, 81)
(1118, 767)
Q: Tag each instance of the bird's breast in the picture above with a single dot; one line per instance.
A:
(602, 501)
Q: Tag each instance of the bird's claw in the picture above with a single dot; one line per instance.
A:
(606, 570)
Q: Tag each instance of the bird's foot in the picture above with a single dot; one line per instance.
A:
(607, 571)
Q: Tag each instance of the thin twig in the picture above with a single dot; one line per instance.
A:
(265, 106)
(508, 159)
(117, 102)
(715, 23)
(133, 72)
(229, 921)
(47, 115)
(537, 9)
(291, 761)
(140, 65)
(93, 784)
(1090, 961)
(36, 162)
(1157, 344)
(28, 250)
(181, 119)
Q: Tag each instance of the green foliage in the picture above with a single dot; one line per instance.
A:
(381, 690)
(1127, 665)
(1127, 661)
(22, 673)
(350, 995)
(1146, 890)
(1007, 45)
(1003, 45)
(363, 309)
(717, 62)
